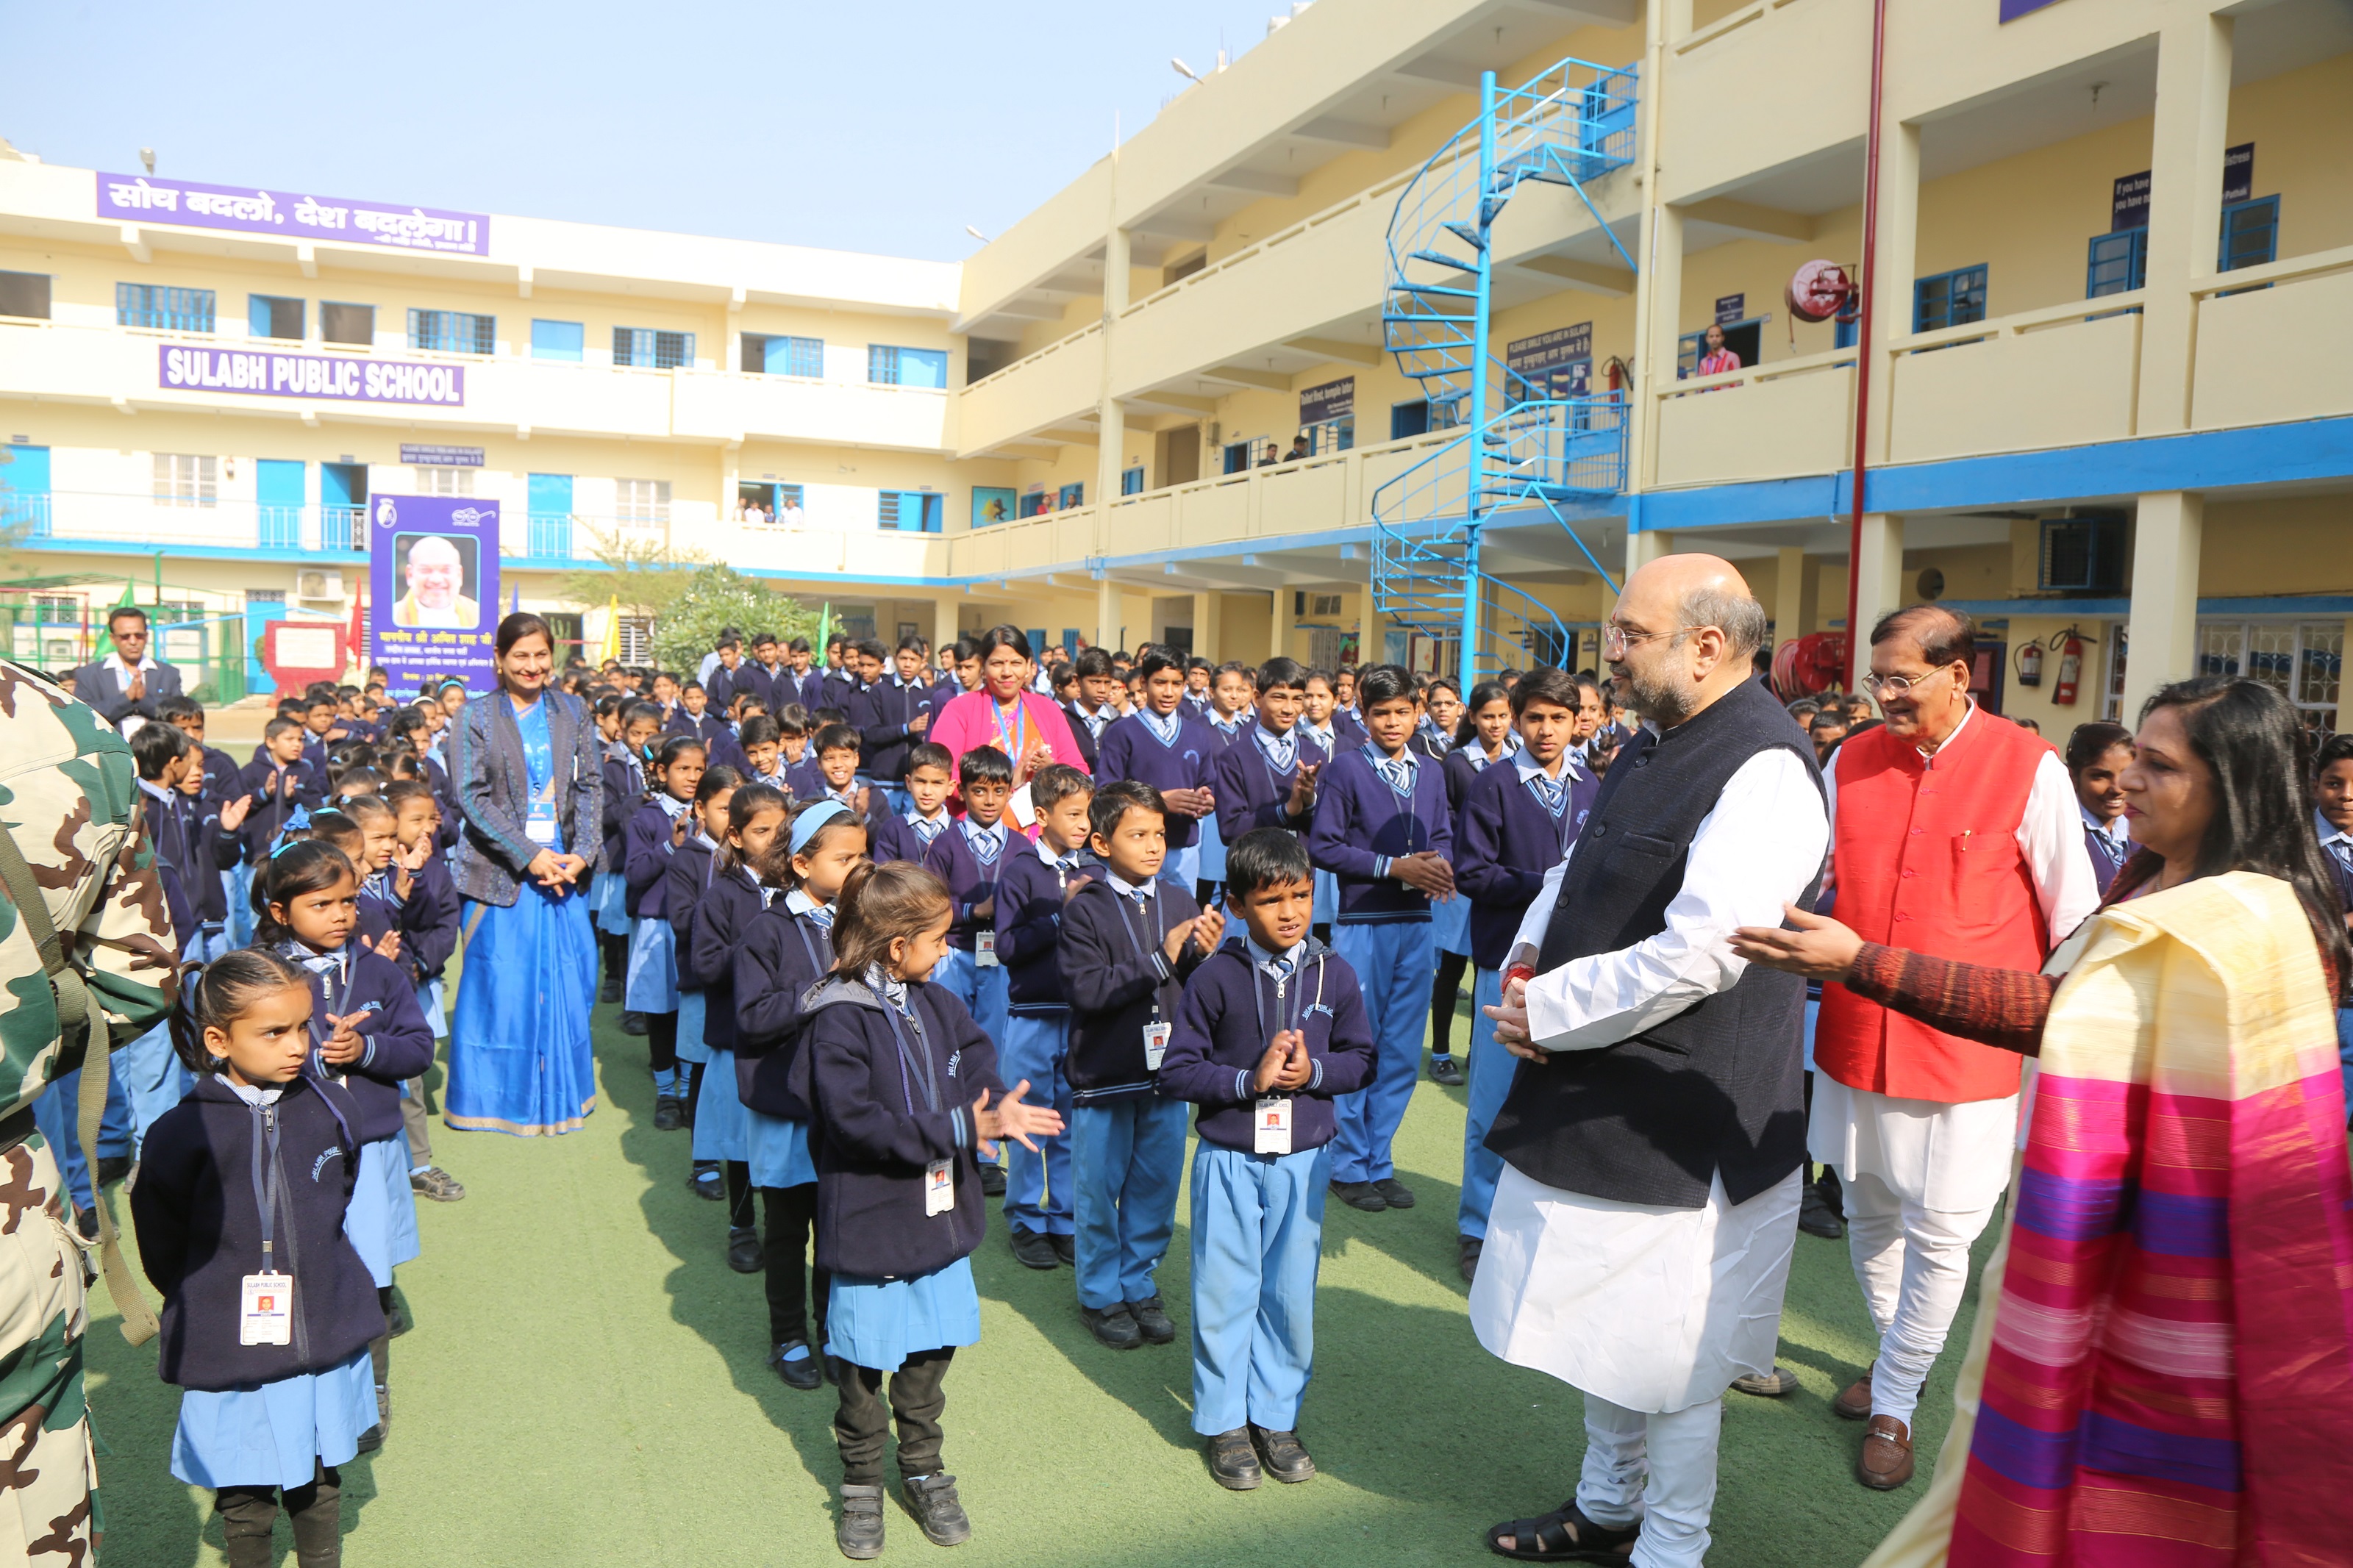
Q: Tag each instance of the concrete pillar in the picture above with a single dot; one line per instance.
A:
(1878, 587)
(2163, 630)
(1209, 625)
(1108, 614)
(1658, 290)
(1111, 414)
(1788, 593)
(943, 622)
(1646, 546)
(1281, 620)
(2185, 205)
(1899, 230)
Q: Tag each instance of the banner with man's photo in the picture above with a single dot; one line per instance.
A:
(433, 589)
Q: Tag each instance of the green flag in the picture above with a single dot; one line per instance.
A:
(824, 627)
(105, 644)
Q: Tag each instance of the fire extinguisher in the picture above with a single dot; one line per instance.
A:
(2030, 665)
(2071, 671)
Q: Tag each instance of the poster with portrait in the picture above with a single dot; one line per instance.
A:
(992, 504)
(433, 589)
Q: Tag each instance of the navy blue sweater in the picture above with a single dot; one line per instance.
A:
(730, 902)
(428, 919)
(647, 852)
(1131, 751)
(970, 883)
(884, 1102)
(1119, 980)
(1360, 821)
(781, 957)
(199, 1229)
(890, 838)
(684, 883)
(625, 791)
(399, 1043)
(1509, 842)
(1089, 743)
(1251, 794)
(1231, 1012)
(880, 714)
(264, 780)
(1029, 907)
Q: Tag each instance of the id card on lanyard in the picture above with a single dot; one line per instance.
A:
(266, 1299)
(1014, 735)
(539, 819)
(1156, 1033)
(939, 1176)
(1271, 1123)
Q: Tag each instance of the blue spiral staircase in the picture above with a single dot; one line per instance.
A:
(1522, 446)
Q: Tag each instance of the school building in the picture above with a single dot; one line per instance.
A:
(1388, 329)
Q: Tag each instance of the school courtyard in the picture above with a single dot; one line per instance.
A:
(585, 1386)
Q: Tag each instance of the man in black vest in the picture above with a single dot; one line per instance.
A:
(1654, 1136)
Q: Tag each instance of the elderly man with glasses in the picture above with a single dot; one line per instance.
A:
(1954, 833)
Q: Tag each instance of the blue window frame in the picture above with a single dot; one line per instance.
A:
(269, 316)
(24, 490)
(1952, 298)
(1410, 418)
(550, 517)
(1071, 495)
(911, 512)
(656, 350)
(1131, 481)
(2250, 234)
(888, 366)
(558, 340)
(453, 331)
(768, 355)
(281, 491)
(2116, 263)
(169, 309)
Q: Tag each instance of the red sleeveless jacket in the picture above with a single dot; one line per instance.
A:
(1926, 858)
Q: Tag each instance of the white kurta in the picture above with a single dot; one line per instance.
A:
(1650, 1308)
(1956, 1158)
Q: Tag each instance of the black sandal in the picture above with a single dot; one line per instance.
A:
(1564, 1535)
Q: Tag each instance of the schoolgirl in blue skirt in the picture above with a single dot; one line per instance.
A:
(786, 949)
(635, 725)
(689, 875)
(367, 1038)
(267, 1309)
(904, 1098)
(730, 900)
(655, 831)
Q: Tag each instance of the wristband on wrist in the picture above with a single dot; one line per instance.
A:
(1517, 971)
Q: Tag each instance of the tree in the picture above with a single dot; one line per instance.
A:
(686, 594)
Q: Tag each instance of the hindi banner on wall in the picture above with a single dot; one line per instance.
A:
(140, 199)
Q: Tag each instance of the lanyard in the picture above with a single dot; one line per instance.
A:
(1159, 935)
(1258, 994)
(820, 964)
(265, 1190)
(1016, 734)
(898, 1033)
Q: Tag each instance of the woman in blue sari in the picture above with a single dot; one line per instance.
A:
(525, 760)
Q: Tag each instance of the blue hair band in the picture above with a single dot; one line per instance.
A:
(806, 826)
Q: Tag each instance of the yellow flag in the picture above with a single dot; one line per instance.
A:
(612, 648)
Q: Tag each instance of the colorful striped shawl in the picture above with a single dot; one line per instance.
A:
(2167, 1381)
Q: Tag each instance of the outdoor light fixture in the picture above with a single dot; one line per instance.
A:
(147, 157)
(975, 234)
(1183, 70)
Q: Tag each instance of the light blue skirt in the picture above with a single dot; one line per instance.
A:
(612, 895)
(1451, 921)
(1213, 850)
(652, 981)
(879, 1323)
(721, 1125)
(1328, 899)
(381, 1220)
(690, 1014)
(430, 1001)
(520, 1059)
(277, 1435)
(777, 1148)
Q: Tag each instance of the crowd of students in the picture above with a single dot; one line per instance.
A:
(900, 935)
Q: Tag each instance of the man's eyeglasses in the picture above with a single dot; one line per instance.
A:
(1617, 639)
(1897, 685)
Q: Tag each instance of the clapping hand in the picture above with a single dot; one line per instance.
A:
(232, 816)
(1425, 871)
(1011, 1118)
(1209, 929)
(1286, 1066)
(343, 1047)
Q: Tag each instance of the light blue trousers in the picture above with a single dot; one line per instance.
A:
(1127, 1159)
(1257, 1234)
(1492, 1068)
(1038, 1186)
(1395, 962)
(982, 991)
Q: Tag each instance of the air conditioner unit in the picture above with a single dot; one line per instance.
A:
(319, 585)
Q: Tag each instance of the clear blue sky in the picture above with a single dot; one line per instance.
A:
(860, 126)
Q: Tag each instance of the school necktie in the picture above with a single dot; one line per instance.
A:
(2110, 850)
(1552, 793)
(1278, 969)
(1282, 751)
(926, 827)
(821, 917)
(1397, 773)
(984, 843)
(2343, 849)
(1164, 728)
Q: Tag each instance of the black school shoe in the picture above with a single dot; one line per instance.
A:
(669, 1114)
(937, 1509)
(804, 1372)
(745, 1254)
(1466, 1255)
(611, 991)
(1152, 1320)
(858, 1531)
(1394, 1192)
(633, 1022)
(1285, 1456)
(1233, 1462)
(1032, 1250)
(1359, 1195)
(992, 1181)
(1445, 1067)
(1113, 1326)
(1066, 1247)
(704, 1182)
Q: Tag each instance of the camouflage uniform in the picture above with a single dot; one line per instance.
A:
(68, 790)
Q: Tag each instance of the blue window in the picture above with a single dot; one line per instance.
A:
(1072, 494)
(281, 490)
(170, 310)
(1408, 419)
(1952, 298)
(453, 331)
(1845, 331)
(2250, 234)
(768, 355)
(659, 351)
(550, 517)
(887, 366)
(2117, 263)
(557, 339)
(268, 316)
(24, 490)
(1131, 481)
(911, 512)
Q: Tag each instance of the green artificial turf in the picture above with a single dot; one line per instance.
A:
(585, 1385)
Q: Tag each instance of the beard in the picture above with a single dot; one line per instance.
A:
(1657, 695)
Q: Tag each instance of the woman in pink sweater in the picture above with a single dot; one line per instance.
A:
(1026, 726)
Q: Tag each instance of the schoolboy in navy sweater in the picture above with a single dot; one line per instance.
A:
(907, 834)
(1034, 883)
(1383, 828)
(1267, 777)
(1168, 745)
(280, 783)
(1520, 818)
(891, 717)
(1270, 1028)
(1130, 940)
(968, 856)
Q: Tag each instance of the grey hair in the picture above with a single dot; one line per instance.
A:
(1737, 616)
